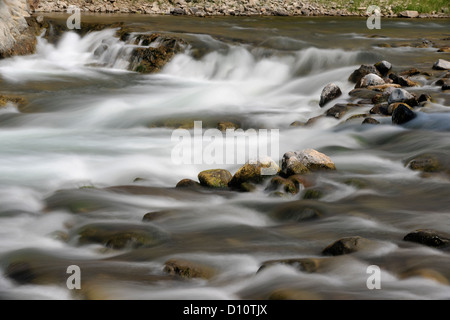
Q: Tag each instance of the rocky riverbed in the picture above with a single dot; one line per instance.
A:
(361, 176)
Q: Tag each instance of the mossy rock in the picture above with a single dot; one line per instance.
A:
(215, 178)
(425, 163)
(188, 183)
(313, 194)
(120, 235)
(279, 183)
(255, 172)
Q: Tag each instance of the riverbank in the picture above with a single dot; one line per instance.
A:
(202, 8)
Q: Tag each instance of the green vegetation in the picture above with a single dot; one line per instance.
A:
(422, 6)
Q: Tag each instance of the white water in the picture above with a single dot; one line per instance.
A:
(92, 128)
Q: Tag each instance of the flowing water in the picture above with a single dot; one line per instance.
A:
(90, 125)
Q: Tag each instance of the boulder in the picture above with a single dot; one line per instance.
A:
(402, 114)
(370, 80)
(401, 95)
(408, 14)
(254, 172)
(383, 67)
(345, 246)
(215, 178)
(363, 70)
(309, 158)
(330, 92)
(120, 236)
(430, 238)
(400, 80)
(441, 64)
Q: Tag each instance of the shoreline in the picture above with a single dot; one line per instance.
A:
(204, 8)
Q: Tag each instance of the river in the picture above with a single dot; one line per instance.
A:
(91, 125)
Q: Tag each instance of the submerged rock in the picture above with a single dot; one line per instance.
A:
(308, 158)
(430, 238)
(338, 110)
(346, 245)
(224, 125)
(370, 121)
(188, 269)
(330, 92)
(308, 265)
(425, 163)
(279, 183)
(215, 178)
(402, 114)
(187, 183)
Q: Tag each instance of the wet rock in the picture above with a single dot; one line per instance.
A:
(408, 14)
(160, 50)
(401, 95)
(446, 86)
(330, 92)
(444, 49)
(424, 97)
(293, 294)
(402, 114)
(346, 245)
(224, 125)
(356, 116)
(297, 211)
(338, 111)
(383, 67)
(297, 124)
(425, 163)
(441, 64)
(4, 99)
(313, 120)
(363, 93)
(301, 181)
(188, 269)
(279, 183)
(363, 70)
(381, 109)
(187, 183)
(369, 80)
(430, 238)
(312, 194)
(404, 82)
(156, 215)
(309, 158)
(215, 178)
(308, 265)
(425, 273)
(120, 236)
(370, 121)
(254, 172)
(393, 106)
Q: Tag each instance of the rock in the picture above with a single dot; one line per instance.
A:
(313, 120)
(312, 194)
(187, 183)
(297, 124)
(430, 238)
(425, 273)
(308, 265)
(369, 80)
(279, 183)
(345, 246)
(295, 161)
(215, 178)
(155, 215)
(224, 125)
(363, 93)
(4, 99)
(401, 95)
(402, 114)
(121, 236)
(404, 82)
(337, 111)
(188, 269)
(410, 72)
(441, 64)
(393, 106)
(446, 86)
(297, 211)
(330, 92)
(254, 172)
(383, 67)
(381, 109)
(293, 294)
(17, 29)
(408, 14)
(444, 49)
(425, 163)
(356, 116)
(160, 50)
(363, 70)
(424, 97)
(177, 11)
(370, 121)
